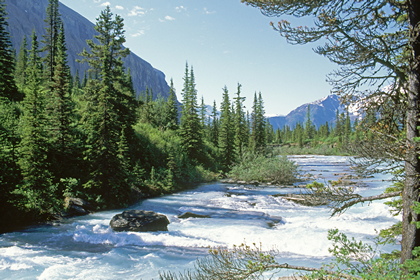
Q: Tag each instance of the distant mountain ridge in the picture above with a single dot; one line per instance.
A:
(24, 16)
(321, 111)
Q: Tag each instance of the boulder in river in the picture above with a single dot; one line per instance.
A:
(77, 207)
(187, 215)
(274, 220)
(139, 220)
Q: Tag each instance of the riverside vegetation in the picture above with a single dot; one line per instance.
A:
(95, 138)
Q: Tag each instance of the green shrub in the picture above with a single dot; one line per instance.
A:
(257, 167)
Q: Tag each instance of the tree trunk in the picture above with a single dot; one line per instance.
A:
(411, 234)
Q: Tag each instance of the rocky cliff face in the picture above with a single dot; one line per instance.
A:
(28, 15)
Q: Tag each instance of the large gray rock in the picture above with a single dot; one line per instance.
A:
(77, 207)
(139, 220)
(187, 215)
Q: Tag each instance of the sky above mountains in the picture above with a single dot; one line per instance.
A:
(226, 42)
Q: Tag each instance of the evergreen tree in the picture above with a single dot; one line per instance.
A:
(108, 116)
(202, 109)
(8, 86)
(287, 134)
(269, 132)
(226, 133)
(241, 130)
(338, 129)
(61, 115)
(347, 127)
(172, 109)
(51, 38)
(214, 126)
(128, 83)
(10, 175)
(191, 130)
(21, 64)
(324, 131)
(278, 137)
(258, 136)
(147, 107)
(299, 135)
(37, 179)
(309, 126)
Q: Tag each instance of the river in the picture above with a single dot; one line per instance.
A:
(86, 247)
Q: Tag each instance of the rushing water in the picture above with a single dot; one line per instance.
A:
(86, 247)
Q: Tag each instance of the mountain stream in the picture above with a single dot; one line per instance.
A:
(87, 248)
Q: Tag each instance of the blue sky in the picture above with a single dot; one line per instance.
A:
(226, 42)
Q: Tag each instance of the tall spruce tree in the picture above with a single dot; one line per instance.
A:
(8, 86)
(258, 123)
(241, 137)
(203, 112)
(21, 64)
(108, 120)
(309, 126)
(191, 130)
(10, 175)
(214, 126)
(61, 114)
(51, 38)
(171, 109)
(226, 133)
(37, 179)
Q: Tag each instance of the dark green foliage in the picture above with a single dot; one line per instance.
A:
(8, 86)
(36, 192)
(51, 38)
(10, 175)
(191, 130)
(241, 129)
(226, 133)
(64, 148)
(21, 64)
(148, 108)
(202, 109)
(171, 109)
(110, 114)
(309, 126)
(214, 126)
(258, 123)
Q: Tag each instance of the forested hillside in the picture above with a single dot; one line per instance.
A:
(94, 138)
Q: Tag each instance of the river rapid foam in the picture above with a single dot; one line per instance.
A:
(87, 248)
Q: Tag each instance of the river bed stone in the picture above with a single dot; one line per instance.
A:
(139, 220)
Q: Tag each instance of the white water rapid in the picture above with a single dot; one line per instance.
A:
(87, 248)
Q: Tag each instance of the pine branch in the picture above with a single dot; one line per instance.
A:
(311, 269)
(346, 205)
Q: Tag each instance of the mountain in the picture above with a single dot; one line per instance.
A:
(28, 15)
(321, 111)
